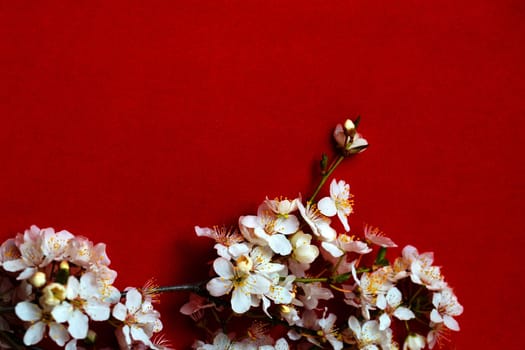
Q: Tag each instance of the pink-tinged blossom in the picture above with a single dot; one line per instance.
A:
(375, 236)
(421, 269)
(339, 202)
(349, 140)
(345, 244)
(229, 243)
(312, 293)
(83, 253)
(31, 256)
(282, 207)
(195, 306)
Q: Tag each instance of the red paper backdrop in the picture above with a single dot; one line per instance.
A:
(130, 123)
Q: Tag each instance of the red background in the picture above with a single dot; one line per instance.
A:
(130, 123)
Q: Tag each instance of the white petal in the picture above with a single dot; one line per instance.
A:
(327, 206)
(393, 297)
(120, 312)
(204, 232)
(280, 244)
(238, 249)
(223, 268)
(73, 288)
(355, 326)
(62, 312)
(332, 249)
(344, 220)
(384, 321)
(27, 311)
(435, 316)
(241, 301)
(27, 273)
(403, 313)
(133, 300)
(451, 323)
(71, 345)
(34, 334)
(14, 265)
(288, 225)
(219, 286)
(139, 334)
(97, 310)
(58, 333)
(78, 325)
(381, 301)
(257, 284)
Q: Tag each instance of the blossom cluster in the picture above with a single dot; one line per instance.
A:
(290, 264)
(58, 285)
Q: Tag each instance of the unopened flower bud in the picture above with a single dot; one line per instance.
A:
(414, 341)
(64, 265)
(38, 279)
(91, 337)
(349, 128)
(53, 294)
(244, 264)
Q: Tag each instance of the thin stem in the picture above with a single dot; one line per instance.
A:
(325, 177)
(311, 280)
(180, 288)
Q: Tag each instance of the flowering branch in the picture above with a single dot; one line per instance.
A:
(275, 273)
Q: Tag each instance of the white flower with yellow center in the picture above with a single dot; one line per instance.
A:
(393, 307)
(339, 202)
(240, 279)
(269, 229)
(446, 306)
(83, 298)
(40, 319)
(368, 335)
(139, 321)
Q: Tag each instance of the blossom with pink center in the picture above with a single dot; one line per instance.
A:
(338, 203)
(195, 306)
(83, 253)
